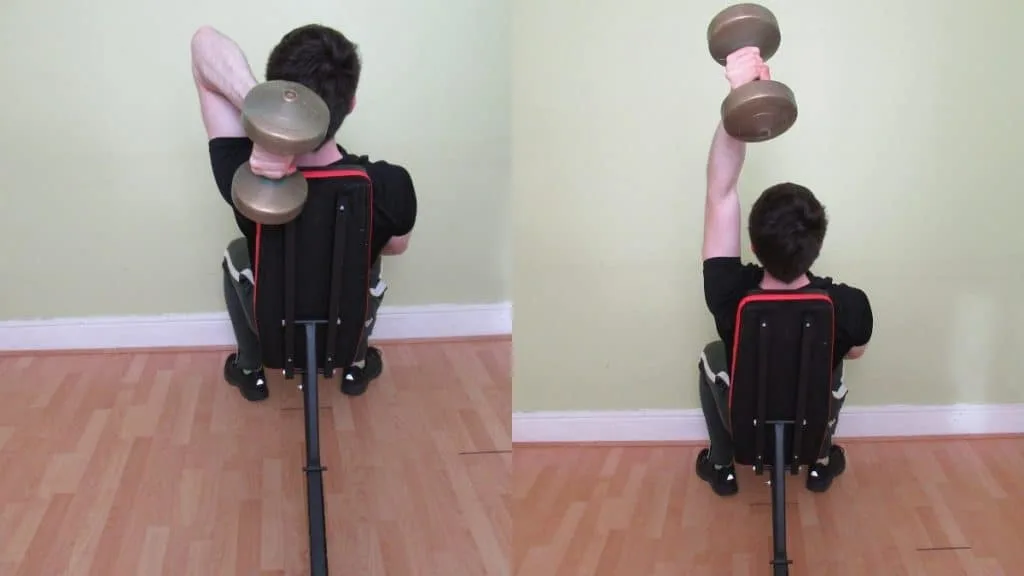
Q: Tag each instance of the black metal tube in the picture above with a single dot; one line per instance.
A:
(780, 561)
(314, 472)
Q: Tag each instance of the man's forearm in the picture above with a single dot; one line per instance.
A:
(725, 161)
(219, 65)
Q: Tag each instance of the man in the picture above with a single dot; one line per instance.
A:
(325, 61)
(787, 228)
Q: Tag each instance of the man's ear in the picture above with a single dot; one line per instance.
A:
(353, 106)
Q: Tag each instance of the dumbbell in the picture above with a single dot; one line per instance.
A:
(759, 110)
(284, 118)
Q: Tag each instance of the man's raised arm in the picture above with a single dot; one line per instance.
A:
(725, 161)
(223, 78)
(722, 205)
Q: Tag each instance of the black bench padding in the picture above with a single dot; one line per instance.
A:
(783, 346)
(314, 270)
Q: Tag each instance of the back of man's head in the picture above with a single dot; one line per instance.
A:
(787, 228)
(323, 60)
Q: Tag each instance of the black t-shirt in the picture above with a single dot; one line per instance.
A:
(394, 196)
(728, 280)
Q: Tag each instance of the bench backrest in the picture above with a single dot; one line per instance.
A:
(781, 371)
(316, 269)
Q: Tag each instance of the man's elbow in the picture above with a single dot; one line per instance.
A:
(856, 352)
(196, 44)
(195, 48)
(201, 40)
(396, 246)
(201, 34)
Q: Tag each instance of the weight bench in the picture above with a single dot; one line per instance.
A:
(310, 302)
(780, 396)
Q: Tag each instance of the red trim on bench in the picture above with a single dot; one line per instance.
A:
(320, 174)
(776, 297)
(317, 174)
(256, 276)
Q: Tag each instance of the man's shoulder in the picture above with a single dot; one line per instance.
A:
(832, 284)
(854, 317)
(374, 167)
(388, 178)
(838, 289)
(729, 262)
(732, 269)
(726, 281)
(394, 194)
(229, 152)
(230, 143)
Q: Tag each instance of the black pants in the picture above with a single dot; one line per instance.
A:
(238, 293)
(714, 402)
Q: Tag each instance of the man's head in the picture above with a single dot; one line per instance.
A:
(787, 228)
(323, 60)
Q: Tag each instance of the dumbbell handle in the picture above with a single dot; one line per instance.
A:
(261, 156)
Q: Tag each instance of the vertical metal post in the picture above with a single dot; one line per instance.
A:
(779, 561)
(313, 469)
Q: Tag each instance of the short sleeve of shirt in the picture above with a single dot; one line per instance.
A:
(226, 155)
(854, 318)
(726, 282)
(394, 198)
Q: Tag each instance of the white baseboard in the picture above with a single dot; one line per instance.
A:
(688, 425)
(214, 329)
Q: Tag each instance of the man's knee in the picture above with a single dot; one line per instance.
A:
(377, 287)
(237, 263)
(839, 392)
(839, 389)
(712, 362)
(239, 283)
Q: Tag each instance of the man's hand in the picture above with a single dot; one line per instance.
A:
(269, 165)
(744, 66)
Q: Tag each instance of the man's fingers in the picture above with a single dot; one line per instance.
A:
(750, 65)
(273, 171)
(747, 52)
(744, 62)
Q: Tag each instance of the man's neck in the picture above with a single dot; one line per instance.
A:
(770, 283)
(326, 155)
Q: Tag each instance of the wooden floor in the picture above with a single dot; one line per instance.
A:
(928, 508)
(149, 464)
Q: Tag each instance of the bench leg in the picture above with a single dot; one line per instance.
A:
(313, 469)
(780, 562)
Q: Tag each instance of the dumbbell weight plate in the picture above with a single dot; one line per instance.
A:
(740, 26)
(759, 111)
(285, 118)
(266, 201)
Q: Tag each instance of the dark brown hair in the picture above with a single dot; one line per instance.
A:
(323, 60)
(787, 228)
